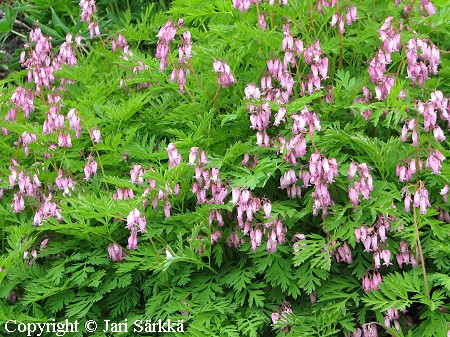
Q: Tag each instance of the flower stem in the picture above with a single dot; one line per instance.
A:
(419, 248)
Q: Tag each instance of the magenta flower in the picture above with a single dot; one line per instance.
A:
(421, 198)
(174, 156)
(225, 78)
(90, 168)
(96, 136)
(116, 252)
(74, 122)
(434, 161)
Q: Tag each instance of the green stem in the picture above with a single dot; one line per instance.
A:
(96, 151)
(419, 248)
(18, 34)
(191, 68)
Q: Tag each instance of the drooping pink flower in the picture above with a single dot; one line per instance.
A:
(444, 192)
(47, 209)
(116, 252)
(74, 122)
(96, 136)
(434, 161)
(90, 168)
(421, 198)
(174, 156)
(88, 8)
(225, 77)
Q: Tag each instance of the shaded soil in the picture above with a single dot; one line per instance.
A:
(10, 50)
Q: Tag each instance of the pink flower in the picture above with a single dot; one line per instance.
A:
(193, 155)
(136, 174)
(167, 207)
(434, 161)
(267, 209)
(90, 168)
(19, 203)
(386, 256)
(252, 92)
(132, 240)
(421, 198)
(116, 252)
(215, 236)
(444, 192)
(174, 156)
(74, 122)
(262, 21)
(96, 136)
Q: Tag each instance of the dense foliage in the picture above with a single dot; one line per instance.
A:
(252, 168)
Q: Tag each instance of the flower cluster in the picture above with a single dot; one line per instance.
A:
(66, 54)
(288, 181)
(374, 240)
(163, 195)
(421, 64)
(368, 330)
(410, 125)
(74, 122)
(427, 7)
(136, 222)
(206, 180)
(390, 37)
(321, 172)
(28, 186)
(420, 198)
(27, 139)
(371, 281)
(64, 184)
(282, 313)
(405, 172)
(12, 297)
(342, 253)
(366, 98)
(123, 193)
(338, 18)
(362, 187)
(39, 59)
(136, 174)
(370, 236)
(319, 68)
(96, 136)
(244, 5)
(24, 99)
(41, 64)
(429, 110)
(377, 69)
(249, 162)
(88, 8)
(434, 161)
(120, 42)
(47, 209)
(90, 168)
(225, 78)
(392, 315)
(405, 257)
(165, 36)
(247, 208)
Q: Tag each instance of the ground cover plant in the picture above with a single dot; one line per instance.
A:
(242, 168)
